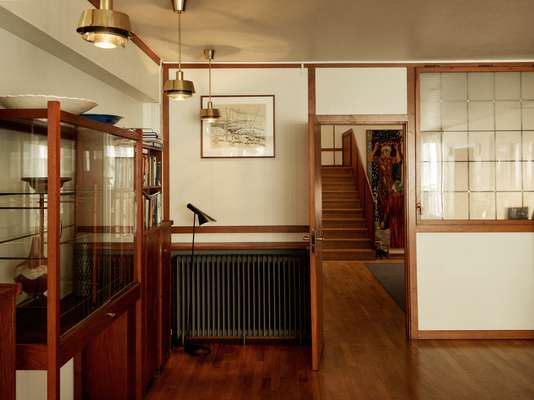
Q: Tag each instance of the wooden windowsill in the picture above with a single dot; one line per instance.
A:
(475, 226)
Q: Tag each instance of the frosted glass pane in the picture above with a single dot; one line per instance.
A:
(454, 115)
(455, 206)
(327, 140)
(527, 85)
(528, 114)
(455, 177)
(528, 176)
(508, 115)
(528, 146)
(480, 86)
(481, 176)
(430, 87)
(528, 201)
(481, 146)
(507, 85)
(327, 158)
(508, 176)
(430, 177)
(454, 86)
(430, 116)
(508, 146)
(454, 146)
(431, 205)
(338, 158)
(507, 200)
(482, 205)
(481, 116)
(431, 146)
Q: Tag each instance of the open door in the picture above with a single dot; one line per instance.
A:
(315, 239)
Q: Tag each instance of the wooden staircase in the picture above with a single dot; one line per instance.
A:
(345, 229)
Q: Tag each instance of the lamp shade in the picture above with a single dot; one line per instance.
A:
(179, 88)
(210, 114)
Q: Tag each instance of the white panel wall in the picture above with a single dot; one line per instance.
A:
(475, 281)
(270, 191)
(361, 91)
(31, 385)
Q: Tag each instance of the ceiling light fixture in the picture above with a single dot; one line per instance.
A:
(179, 88)
(104, 27)
(209, 114)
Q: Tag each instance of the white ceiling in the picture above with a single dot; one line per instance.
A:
(338, 30)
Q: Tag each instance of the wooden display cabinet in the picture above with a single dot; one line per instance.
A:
(7, 340)
(71, 237)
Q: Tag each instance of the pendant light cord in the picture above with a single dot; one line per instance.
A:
(209, 66)
(180, 41)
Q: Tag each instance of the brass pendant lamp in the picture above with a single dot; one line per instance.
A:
(179, 88)
(104, 27)
(209, 114)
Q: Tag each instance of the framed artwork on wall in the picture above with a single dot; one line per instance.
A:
(244, 130)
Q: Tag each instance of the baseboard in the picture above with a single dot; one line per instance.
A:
(474, 335)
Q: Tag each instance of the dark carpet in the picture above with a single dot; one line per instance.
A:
(391, 277)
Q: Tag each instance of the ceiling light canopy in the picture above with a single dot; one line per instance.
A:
(179, 88)
(209, 114)
(104, 27)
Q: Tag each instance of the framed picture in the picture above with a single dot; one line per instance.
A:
(245, 129)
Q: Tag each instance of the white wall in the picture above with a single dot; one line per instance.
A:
(269, 191)
(31, 385)
(361, 91)
(475, 281)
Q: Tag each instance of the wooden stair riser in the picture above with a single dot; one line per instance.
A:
(341, 203)
(343, 213)
(344, 223)
(338, 187)
(345, 234)
(341, 196)
(362, 243)
(335, 255)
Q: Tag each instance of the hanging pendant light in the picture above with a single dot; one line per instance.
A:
(179, 88)
(104, 27)
(209, 114)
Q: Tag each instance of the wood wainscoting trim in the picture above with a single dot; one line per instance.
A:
(476, 335)
(241, 246)
(243, 229)
(454, 226)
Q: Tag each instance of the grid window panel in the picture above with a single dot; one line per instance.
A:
(482, 176)
(507, 85)
(508, 176)
(456, 205)
(481, 115)
(455, 176)
(505, 200)
(508, 146)
(480, 86)
(481, 205)
(508, 115)
(528, 176)
(482, 146)
(454, 115)
(454, 145)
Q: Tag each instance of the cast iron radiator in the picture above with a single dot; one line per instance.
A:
(247, 295)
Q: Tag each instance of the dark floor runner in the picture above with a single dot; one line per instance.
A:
(391, 277)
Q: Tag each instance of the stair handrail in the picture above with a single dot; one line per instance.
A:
(352, 159)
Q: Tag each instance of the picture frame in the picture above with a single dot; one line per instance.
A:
(246, 128)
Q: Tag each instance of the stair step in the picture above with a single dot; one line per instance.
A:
(349, 243)
(337, 203)
(337, 222)
(350, 212)
(344, 233)
(348, 254)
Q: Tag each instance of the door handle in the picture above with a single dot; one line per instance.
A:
(306, 238)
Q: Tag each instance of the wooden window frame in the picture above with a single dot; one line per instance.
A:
(454, 225)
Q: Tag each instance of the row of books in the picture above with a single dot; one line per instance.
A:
(153, 210)
(151, 138)
(152, 170)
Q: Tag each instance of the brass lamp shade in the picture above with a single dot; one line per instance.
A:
(210, 114)
(104, 27)
(179, 88)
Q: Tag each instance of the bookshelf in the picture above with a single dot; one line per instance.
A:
(152, 197)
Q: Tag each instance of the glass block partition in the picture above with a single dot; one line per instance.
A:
(475, 144)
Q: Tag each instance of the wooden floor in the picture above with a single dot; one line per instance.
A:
(366, 357)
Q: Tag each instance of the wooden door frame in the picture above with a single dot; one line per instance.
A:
(408, 123)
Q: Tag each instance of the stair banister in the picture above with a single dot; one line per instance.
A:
(352, 159)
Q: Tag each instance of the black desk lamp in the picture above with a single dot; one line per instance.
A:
(189, 347)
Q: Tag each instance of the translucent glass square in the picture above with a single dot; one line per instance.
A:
(508, 176)
(507, 115)
(528, 201)
(528, 175)
(430, 84)
(527, 85)
(481, 146)
(455, 205)
(505, 200)
(338, 158)
(430, 116)
(481, 115)
(455, 176)
(431, 205)
(430, 146)
(528, 145)
(507, 85)
(431, 176)
(508, 146)
(528, 114)
(480, 86)
(481, 176)
(327, 158)
(481, 205)
(454, 115)
(327, 136)
(454, 86)
(454, 146)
